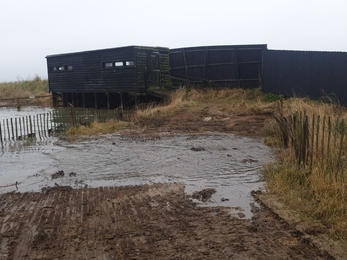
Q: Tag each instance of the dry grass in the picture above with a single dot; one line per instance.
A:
(178, 100)
(212, 101)
(195, 104)
(24, 88)
(98, 128)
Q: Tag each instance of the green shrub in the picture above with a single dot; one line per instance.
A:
(270, 97)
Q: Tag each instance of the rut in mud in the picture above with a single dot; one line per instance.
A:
(140, 222)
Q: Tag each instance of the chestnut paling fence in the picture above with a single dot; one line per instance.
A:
(41, 126)
(315, 140)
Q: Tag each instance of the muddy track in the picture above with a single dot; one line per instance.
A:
(139, 222)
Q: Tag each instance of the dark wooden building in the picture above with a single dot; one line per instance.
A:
(219, 66)
(110, 78)
(106, 78)
(314, 74)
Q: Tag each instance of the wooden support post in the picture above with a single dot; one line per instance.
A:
(44, 125)
(63, 96)
(20, 128)
(51, 120)
(38, 125)
(237, 68)
(121, 101)
(185, 64)
(54, 100)
(18, 104)
(205, 67)
(12, 128)
(0, 134)
(16, 126)
(95, 101)
(83, 100)
(41, 132)
(31, 127)
(8, 130)
(34, 127)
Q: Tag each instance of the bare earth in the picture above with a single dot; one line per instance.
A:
(142, 222)
(145, 222)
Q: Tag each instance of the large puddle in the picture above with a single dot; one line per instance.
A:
(226, 163)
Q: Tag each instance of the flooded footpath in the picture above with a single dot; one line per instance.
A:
(226, 163)
(125, 197)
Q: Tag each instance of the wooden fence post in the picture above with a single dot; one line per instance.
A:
(312, 143)
(323, 136)
(0, 134)
(31, 127)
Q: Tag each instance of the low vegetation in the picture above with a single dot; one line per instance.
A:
(313, 183)
(210, 102)
(24, 88)
(98, 128)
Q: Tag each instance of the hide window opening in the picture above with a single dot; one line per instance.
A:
(108, 64)
(61, 68)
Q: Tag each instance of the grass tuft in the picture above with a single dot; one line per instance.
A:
(98, 128)
(24, 88)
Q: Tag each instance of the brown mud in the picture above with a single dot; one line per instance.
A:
(139, 222)
(182, 122)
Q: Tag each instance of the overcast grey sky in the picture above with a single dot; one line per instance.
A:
(30, 30)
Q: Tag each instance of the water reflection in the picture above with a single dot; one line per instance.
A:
(7, 112)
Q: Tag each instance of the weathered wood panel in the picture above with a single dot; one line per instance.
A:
(306, 74)
(227, 66)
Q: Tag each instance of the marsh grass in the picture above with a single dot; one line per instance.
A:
(193, 103)
(95, 128)
(24, 88)
(230, 101)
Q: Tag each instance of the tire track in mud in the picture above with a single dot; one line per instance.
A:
(139, 222)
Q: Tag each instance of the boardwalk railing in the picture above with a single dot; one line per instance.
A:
(40, 126)
(315, 140)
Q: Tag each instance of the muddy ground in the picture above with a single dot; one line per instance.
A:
(141, 222)
(156, 221)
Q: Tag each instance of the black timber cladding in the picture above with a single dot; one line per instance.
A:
(230, 66)
(306, 73)
(113, 70)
